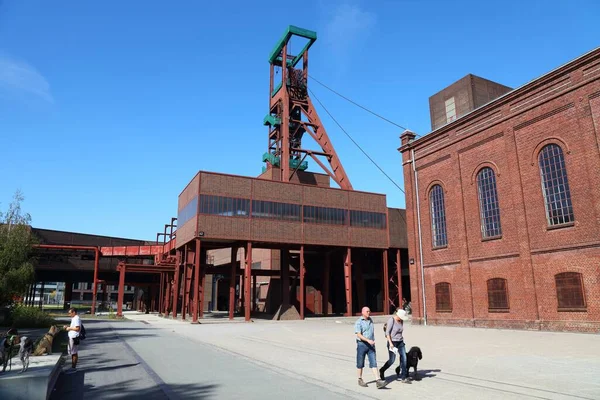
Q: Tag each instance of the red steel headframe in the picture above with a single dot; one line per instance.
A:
(291, 114)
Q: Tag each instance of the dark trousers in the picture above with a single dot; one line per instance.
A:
(392, 358)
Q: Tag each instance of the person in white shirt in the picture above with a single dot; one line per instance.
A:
(73, 333)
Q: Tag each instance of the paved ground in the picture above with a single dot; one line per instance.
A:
(149, 357)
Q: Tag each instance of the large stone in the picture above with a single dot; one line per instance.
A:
(286, 312)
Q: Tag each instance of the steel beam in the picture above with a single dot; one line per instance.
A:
(348, 281)
(197, 281)
(176, 283)
(232, 276)
(248, 277)
(302, 272)
(121, 296)
(326, 275)
(399, 272)
(386, 283)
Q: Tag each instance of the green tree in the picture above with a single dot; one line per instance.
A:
(16, 244)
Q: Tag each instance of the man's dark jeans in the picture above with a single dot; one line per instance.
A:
(392, 358)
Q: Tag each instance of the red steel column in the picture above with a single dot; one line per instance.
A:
(399, 272)
(186, 293)
(176, 283)
(121, 295)
(348, 281)
(302, 288)
(284, 265)
(386, 283)
(232, 282)
(197, 281)
(202, 279)
(168, 288)
(326, 274)
(95, 286)
(160, 294)
(248, 277)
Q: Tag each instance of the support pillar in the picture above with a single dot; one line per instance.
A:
(326, 275)
(176, 283)
(386, 283)
(399, 272)
(285, 276)
(202, 281)
(185, 286)
(161, 298)
(168, 289)
(247, 276)
(95, 284)
(232, 282)
(121, 296)
(302, 271)
(197, 282)
(348, 281)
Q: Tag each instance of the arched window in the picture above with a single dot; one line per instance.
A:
(443, 297)
(489, 207)
(497, 295)
(438, 217)
(555, 186)
(569, 291)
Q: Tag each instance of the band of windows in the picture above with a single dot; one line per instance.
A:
(236, 207)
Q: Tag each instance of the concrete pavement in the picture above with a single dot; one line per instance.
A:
(151, 357)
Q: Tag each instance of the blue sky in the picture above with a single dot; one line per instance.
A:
(108, 109)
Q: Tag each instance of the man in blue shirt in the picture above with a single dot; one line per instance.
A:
(364, 328)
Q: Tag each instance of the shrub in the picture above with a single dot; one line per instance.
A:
(30, 317)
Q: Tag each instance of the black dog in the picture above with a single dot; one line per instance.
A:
(412, 360)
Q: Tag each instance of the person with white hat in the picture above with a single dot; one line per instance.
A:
(395, 344)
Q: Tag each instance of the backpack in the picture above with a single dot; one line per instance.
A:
(82, 332)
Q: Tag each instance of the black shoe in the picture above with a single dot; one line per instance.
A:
(381, 371)
(398, 372)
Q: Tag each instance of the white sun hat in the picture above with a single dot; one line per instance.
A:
(402, 315)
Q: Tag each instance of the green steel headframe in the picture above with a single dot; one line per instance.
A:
(275, 56)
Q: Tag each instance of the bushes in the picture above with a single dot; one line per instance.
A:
(29, 317)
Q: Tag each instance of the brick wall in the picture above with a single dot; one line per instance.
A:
(507, 136)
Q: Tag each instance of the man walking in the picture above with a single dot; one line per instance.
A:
(364, 328)
(395, 345)
(73, 333)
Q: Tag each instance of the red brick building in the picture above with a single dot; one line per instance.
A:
(503, 208)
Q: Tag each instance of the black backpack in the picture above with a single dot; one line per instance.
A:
(82, 332)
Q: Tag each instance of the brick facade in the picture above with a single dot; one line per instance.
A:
(507, 135)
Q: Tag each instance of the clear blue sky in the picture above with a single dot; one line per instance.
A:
(109, 108)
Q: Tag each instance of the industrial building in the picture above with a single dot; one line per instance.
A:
(503, 205)
(283, 245)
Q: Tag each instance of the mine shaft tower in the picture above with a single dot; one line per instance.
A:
(292, 113)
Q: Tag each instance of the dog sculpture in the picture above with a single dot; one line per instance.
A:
(25, 350)
(45, 345)
(412, 360)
